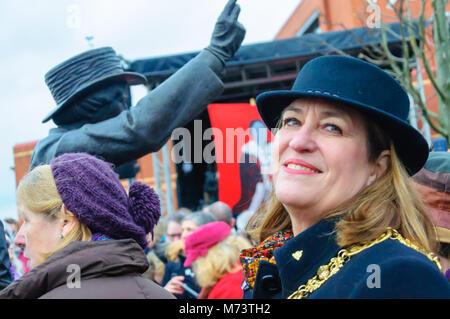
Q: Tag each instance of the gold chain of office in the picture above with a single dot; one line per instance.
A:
(336, 263)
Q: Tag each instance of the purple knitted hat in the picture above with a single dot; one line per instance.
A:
(92, 191)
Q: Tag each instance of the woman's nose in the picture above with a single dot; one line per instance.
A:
(303, 140)
(19, 240)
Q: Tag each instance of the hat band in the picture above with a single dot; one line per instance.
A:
(67, 80)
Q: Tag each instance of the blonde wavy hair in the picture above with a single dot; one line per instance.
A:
(219, 261)
(38, 193)
(174, 249)
(391, 201)
(156, 268)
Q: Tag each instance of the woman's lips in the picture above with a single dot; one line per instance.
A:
(296, 166)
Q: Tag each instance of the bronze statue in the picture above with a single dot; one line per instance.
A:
(91, 90)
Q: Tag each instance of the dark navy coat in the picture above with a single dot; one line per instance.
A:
(388, 269)
(177, 268)
(5, 264)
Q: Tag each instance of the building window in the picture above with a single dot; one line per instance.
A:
(311, 25)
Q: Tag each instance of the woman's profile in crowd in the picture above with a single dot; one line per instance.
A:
(79, 221)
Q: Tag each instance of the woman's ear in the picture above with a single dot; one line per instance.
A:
(380, 167)
(68, 221)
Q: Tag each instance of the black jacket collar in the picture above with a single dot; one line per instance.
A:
(311, 248)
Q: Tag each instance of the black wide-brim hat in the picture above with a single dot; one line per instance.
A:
(362, 86)
(84, 72)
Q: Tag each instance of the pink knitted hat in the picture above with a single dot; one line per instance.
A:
(203, 238)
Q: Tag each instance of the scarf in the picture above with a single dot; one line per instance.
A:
(98, 237)
(250, 258)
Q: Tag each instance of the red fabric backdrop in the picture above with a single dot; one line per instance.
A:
(232, 116)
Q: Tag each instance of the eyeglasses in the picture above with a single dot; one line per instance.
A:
(174, 236)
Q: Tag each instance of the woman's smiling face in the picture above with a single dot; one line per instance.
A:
(320, 156)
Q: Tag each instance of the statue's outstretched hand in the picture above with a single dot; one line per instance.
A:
(228, 33)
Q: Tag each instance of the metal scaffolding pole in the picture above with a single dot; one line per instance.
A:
(168, 179)
(412, 112)
(425, 127)
(157, 175)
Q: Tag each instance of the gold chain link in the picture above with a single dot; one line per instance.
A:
(326, 271)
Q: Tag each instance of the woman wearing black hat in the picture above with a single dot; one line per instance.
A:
(343, 220)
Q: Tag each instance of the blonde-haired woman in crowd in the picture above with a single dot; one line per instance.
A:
(343, 220)
(83, 235)
(214, 255)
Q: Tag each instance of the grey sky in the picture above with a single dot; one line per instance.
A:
(37, 35)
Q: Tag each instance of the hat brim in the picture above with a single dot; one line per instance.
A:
(131, 78)
(411, 146)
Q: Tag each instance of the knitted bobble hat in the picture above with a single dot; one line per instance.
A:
(92, 191)
(198, 243)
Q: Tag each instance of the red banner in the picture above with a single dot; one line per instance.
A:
(243, 155)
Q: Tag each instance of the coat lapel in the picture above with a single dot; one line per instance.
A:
(299, 258)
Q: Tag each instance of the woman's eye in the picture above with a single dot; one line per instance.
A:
(290, 122)
(332, 128)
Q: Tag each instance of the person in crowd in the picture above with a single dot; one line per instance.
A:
(213, 252)
(83, 235)
(154, 250)
(91, 93)
(178, 279)
(222, 212)
(433, 184)
(156, 268)
(16, 257)
(172, 233)
(343, 220)
(184, 211)
(22, 259)
(157, 235)
(13, 224)
(16, 268)
(5, 264)
(18, 261)
(173, 229)
(192, 221)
